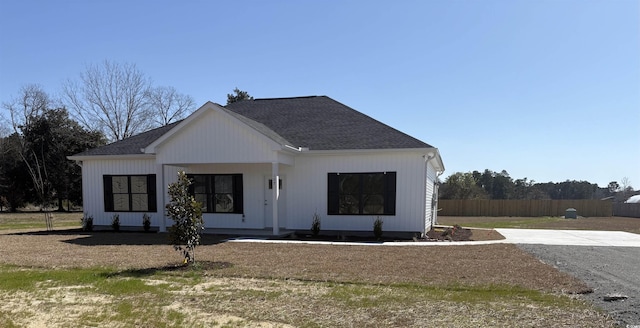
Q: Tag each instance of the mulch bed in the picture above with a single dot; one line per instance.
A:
(438, 233)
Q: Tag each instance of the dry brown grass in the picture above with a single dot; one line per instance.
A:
(430, 265)
(298, 284)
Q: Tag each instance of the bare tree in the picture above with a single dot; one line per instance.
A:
(169, 105)
(626, 187)
(110, 98)
(31, 102)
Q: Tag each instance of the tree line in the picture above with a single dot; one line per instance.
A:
(108, 102)
(499, 185)
(33, 153)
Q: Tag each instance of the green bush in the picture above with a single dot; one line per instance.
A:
(315, 224)
(377, 228)
(146, 222)
(87, 223)
(186, 213)
(115, 222)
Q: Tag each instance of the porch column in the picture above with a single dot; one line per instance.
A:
(160, 190)
(275, 194)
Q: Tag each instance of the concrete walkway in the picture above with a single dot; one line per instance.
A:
(570, 237)
(512, 236)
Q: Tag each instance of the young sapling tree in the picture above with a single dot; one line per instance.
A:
(186, 213)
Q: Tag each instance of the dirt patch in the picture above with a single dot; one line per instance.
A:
(60, 307)
(210, 301)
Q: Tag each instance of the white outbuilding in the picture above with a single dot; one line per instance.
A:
(633, 200)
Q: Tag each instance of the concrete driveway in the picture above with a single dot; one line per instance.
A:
(607, 261)
(570, 237)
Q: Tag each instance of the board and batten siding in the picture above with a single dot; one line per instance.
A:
(93, 189)
(216, 138)
(307, 194)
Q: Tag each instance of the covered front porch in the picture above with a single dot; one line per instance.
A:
(237, 198)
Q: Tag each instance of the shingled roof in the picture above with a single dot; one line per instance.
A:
(321, 123)
(315, 122)
(130, 146)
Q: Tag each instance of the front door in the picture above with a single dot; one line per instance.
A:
(268, 203)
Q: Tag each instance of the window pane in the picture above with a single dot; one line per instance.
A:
(349, 204)
(223, 184)
(200, 184)
(119, 185)
(373, 204)
(138, 184)
(373, 183)
(139, 202)
(224, 203)
(349, 183)
(121, 202)
(367, 193)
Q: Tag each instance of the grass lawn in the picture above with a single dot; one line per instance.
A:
(70, 278)
(35, 220)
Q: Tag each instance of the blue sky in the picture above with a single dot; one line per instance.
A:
(548, 90)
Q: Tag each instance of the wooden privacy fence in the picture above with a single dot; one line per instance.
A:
(523, 207)
(629, 210)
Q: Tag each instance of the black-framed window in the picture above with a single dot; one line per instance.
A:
(372, 193)
(130, 193)
(218, 193)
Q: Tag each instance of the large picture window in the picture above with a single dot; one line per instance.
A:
(218, 193)
(362, 193)
(129, 193)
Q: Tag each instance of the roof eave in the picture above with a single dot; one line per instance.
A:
(108, 157)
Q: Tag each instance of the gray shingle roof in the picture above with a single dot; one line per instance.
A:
(315, 122)
(130, 146)
(321, 123)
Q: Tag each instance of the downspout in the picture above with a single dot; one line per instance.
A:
(436, 192)
(428, 158)
(163, 222)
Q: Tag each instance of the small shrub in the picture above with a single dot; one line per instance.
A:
(377, 228)
(451, 231)
(146, 222)
(186, 213)
(315, 224)
(115, 222)
(87, 223)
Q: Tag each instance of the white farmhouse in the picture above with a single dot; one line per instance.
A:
(267, 166)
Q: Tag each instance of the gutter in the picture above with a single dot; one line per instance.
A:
(434, 194)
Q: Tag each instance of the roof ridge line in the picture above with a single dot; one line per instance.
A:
(284, 98)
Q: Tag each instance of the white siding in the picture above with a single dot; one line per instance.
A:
(304, 191)
(307, 190)
(93, 191)
(216, 138)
